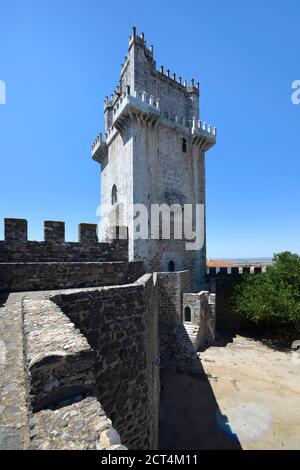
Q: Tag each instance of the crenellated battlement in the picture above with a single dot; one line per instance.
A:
(139, 73)
(140, 101)
(16, 247)
(234, 271)
(54, 232)
(162, 73)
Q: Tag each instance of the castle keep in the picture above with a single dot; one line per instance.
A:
(87, 325)
(153, 152)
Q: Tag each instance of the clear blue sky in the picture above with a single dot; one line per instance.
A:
(59, 59)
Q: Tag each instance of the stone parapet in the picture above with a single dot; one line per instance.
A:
(17, 247)
(18, 277)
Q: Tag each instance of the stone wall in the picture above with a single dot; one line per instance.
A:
(17, 248)
(17, 277)
(145, 159)
(170, 289)
(90, 372)
(202, 307)
(14, 426)
(120, 324)
(222, 284)
(56, 264)
(64, 412)
(153, 357)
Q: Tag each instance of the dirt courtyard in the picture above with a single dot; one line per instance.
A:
(244, 395)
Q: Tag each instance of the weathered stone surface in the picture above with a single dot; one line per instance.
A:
(16, 247)
(109, 438)
(59, 275)
(170, 289)
(75, 426)
(14, 431)
(154, 153)
(203, 317)
(60, 360)
(120, 324)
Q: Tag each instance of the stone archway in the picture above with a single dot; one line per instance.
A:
(187, 314)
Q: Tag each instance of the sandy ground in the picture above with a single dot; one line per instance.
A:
(244, 395)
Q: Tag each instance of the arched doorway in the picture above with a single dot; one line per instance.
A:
(187, 314)
(171, 266)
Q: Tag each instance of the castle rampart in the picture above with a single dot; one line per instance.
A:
(56, 264)
(233, 271)
(222, 281)
(17, 248)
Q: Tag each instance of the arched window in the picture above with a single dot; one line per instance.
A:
(187, 314)
(114, 195)
(184, 145)
(171, 266)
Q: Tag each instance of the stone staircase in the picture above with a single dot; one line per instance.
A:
(187, 335)
(192, 331)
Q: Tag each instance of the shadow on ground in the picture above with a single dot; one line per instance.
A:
(3, 299)
(190, 418)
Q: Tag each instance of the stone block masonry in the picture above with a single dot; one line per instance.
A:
(56, 264)
(17, 248)
(18, 277)
(120, 324)
(92, 359)
(153, 152)
(14, 427)
(202, 310)
(60, 360)
(81, 425)
(64, 412)
(222, 282)
(89, 378)
(170, 289)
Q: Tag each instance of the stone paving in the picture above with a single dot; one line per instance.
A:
(81, 425)
(53, 346)
(14, 431)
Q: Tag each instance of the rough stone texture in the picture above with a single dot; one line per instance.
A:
(120, 324)
(54, 231)
(170, 289)
(16, 247)
(203, 316)
(14, 431)
(81, 425)
(59, 359)
(44, 276)
(152, 309)
(73, 422)
(222, 284)
(142, 156)
(172, 346)
(15, 230)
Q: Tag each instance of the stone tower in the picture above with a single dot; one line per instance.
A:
(153, 153)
